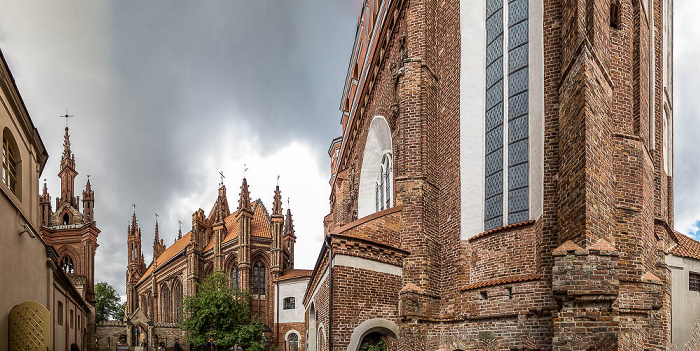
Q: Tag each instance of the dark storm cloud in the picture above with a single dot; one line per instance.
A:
(155, 84)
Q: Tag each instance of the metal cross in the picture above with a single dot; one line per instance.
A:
(180, 223)
(222, 177)
(66, 116)
(134, 206)
(156, 217)
(278, 180)
(245, 169)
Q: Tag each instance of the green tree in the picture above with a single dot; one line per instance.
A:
(222, 313)
(107, 303)
(120, 312)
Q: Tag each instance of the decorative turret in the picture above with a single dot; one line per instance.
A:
(45, 206)
(289, 238)
(244, 216)
(244, 200)
(277, 221)
(218, 214)
(88, 203)
(67, 174)
(158, 246)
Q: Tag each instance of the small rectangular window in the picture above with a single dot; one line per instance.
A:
(59, 313)
(289, 303)
(694, 283)
(71, 319)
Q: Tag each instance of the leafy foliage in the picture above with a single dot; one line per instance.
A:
(119, 315)
(222, 313)
(107, 303)
(379, 346)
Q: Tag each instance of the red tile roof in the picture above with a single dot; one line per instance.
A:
(295, 273)
(687, 247)
(169, 253)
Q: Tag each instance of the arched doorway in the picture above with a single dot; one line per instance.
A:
(374, 332)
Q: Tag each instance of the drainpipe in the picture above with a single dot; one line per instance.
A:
(277, 305)
(330, 292)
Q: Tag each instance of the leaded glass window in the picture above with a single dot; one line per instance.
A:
(506, 117)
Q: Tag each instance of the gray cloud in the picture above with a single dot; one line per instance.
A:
(167, 93)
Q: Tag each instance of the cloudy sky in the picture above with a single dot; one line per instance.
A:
(168, 93)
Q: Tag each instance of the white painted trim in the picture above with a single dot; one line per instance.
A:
(290, 332)
(536, 105)
(383, 326)
(363, 263)
(472, 95)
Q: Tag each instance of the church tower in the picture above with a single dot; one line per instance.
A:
(136, 265)
(73, 234)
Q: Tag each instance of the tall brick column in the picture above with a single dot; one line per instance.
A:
(244, 216)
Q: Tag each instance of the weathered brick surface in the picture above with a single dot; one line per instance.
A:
(603, 179)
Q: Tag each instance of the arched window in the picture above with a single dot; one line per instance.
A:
(10, 162)
(67, 264)
(258, 278)
(385, 182)
(376, 174)
(165, 304)
(235, 278)
(292, 342)
(177, 301)
(66, 219)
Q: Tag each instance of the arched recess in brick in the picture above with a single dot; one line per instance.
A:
(378, 145)
(377, 325)
(311, 336)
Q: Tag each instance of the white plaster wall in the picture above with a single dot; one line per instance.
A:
(295, 289)
(363, 263)
(377, 145)
(685, 304)
(472, 90)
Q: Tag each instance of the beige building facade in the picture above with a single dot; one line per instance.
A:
(31, 272)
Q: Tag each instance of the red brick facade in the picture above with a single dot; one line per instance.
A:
(588, 274)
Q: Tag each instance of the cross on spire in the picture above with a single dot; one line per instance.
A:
(157, 216)
(278, 180)
(134, 206)
(245, 170)
(66, 116)
(222, 177)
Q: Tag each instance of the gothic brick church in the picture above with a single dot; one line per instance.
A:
(253, 247)
(503, 179)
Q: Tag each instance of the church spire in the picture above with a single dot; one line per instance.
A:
(289, 225)
(244, 201)
(158, 246)
(67, 173)
(277, 204)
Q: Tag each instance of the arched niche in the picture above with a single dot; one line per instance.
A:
(378, 145)
(377, 325)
